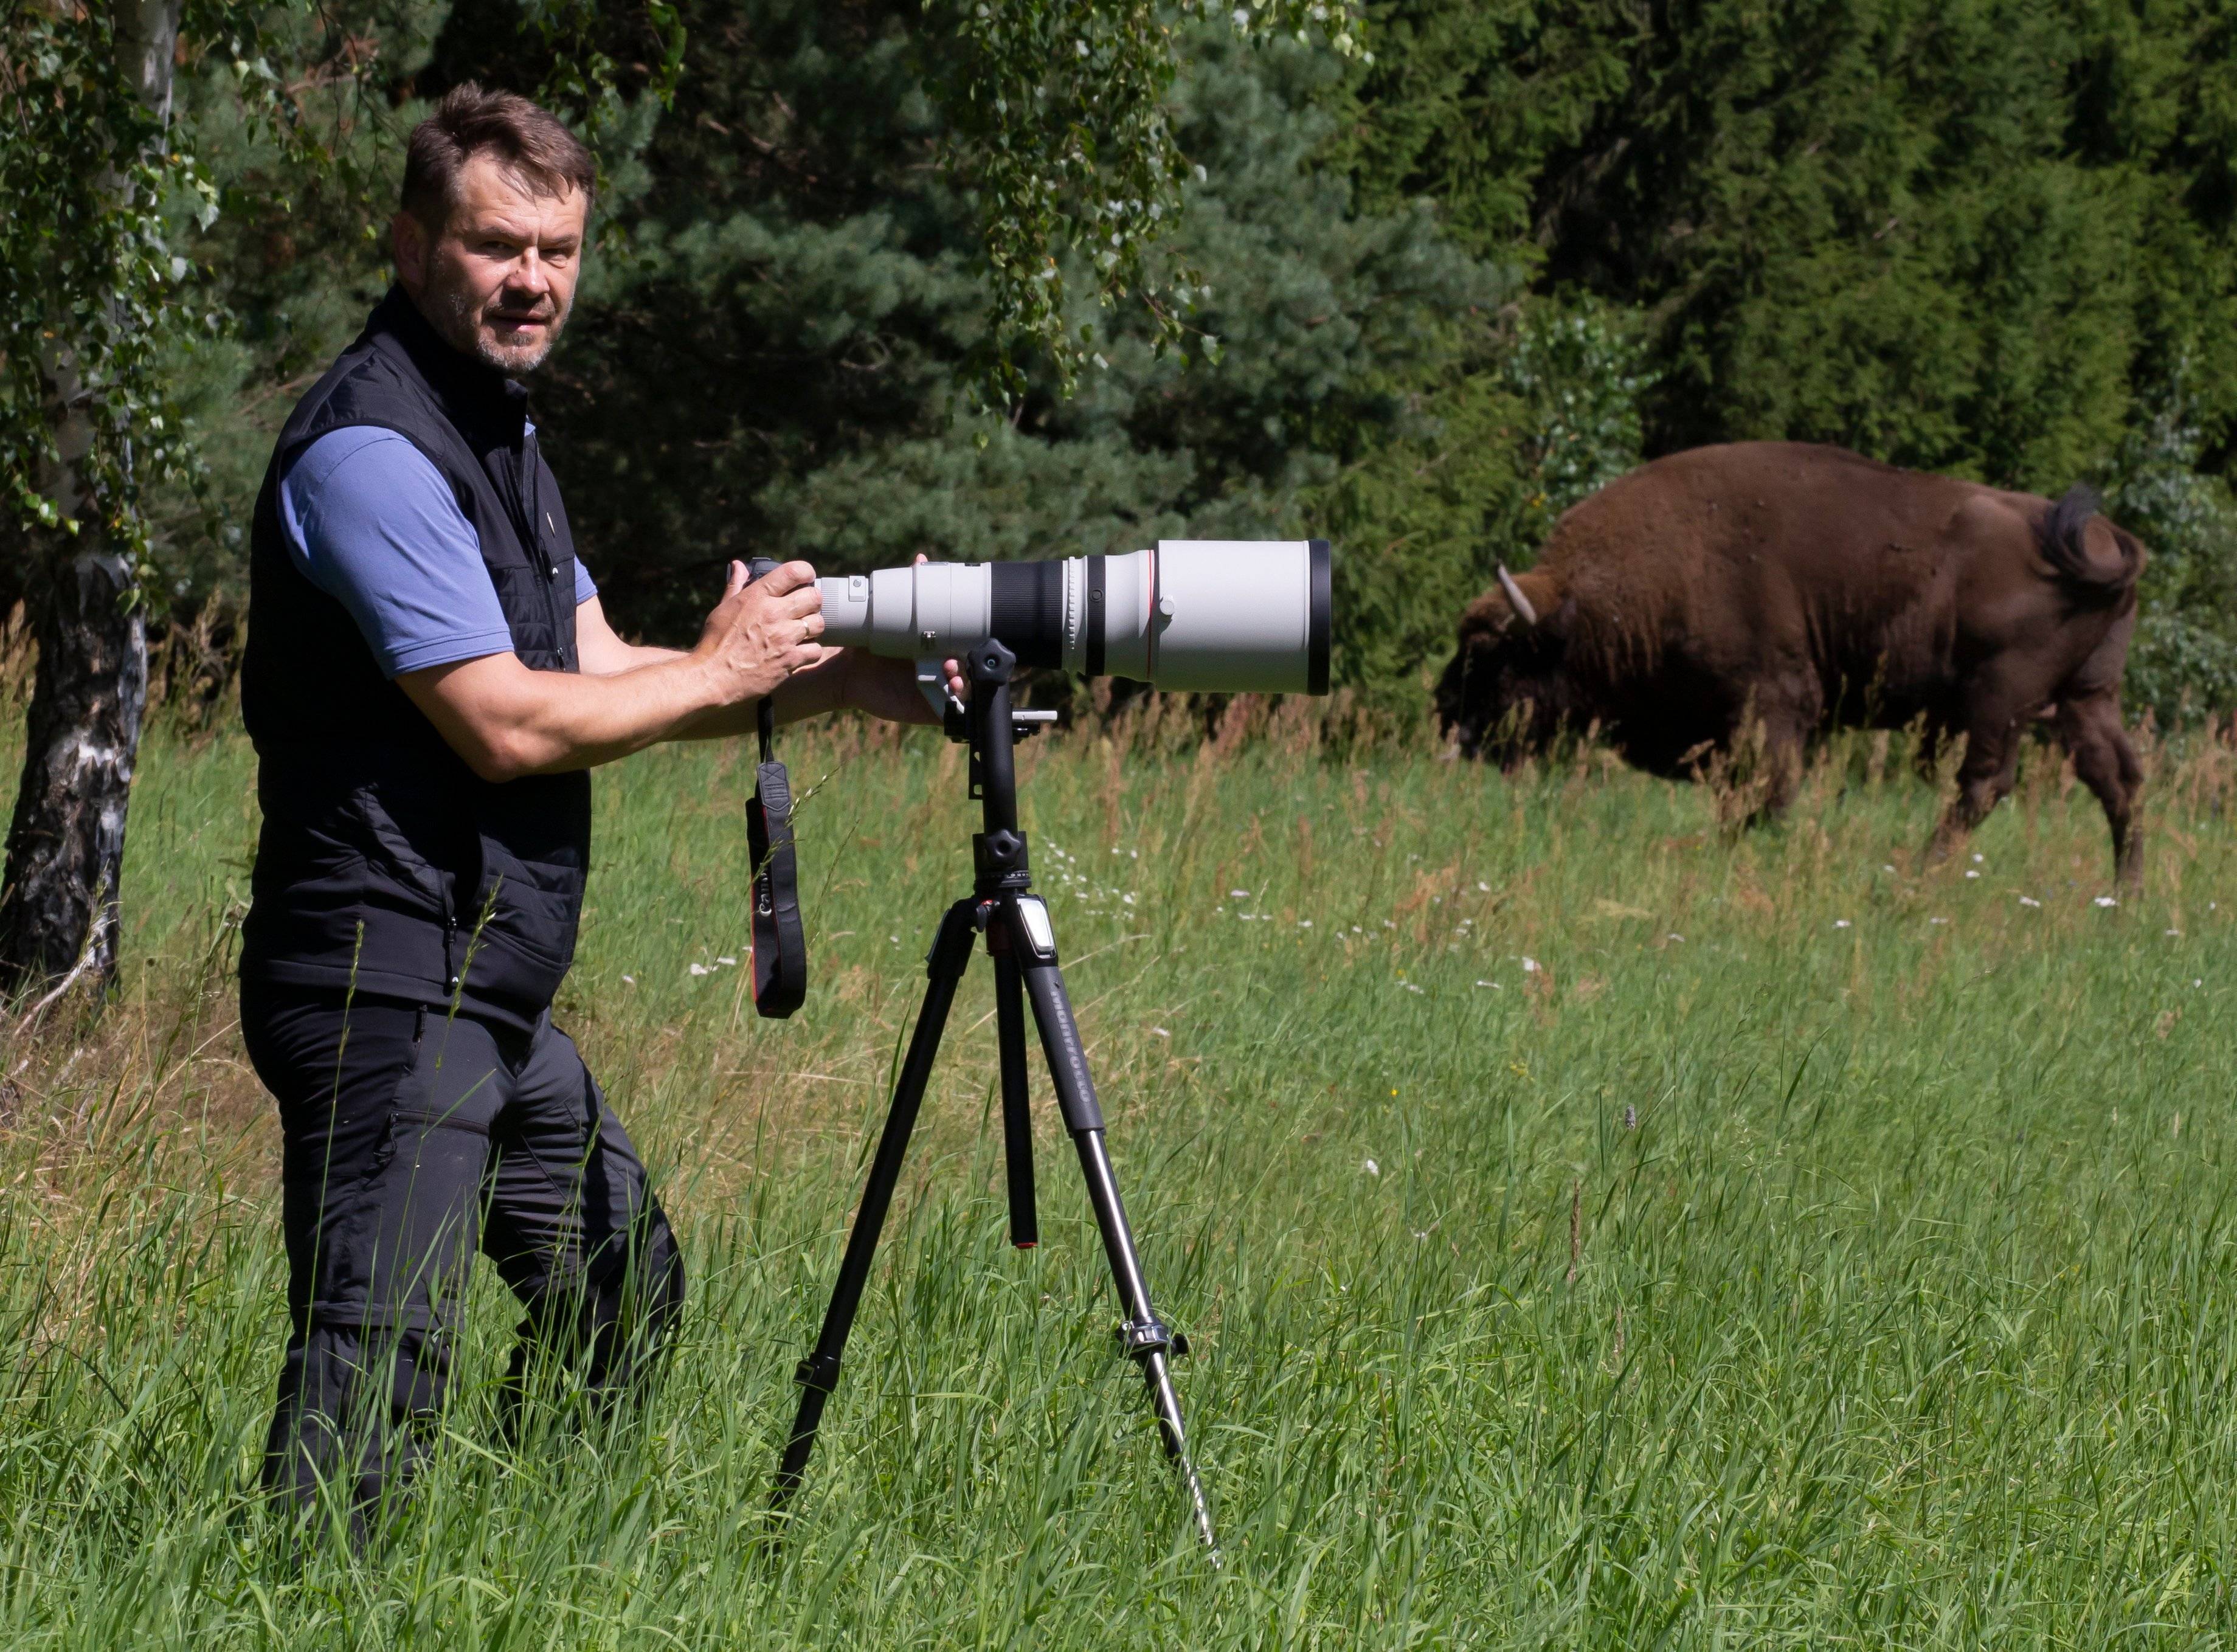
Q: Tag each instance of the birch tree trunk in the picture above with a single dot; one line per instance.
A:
(65, 848)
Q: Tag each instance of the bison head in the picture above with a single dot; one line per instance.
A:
(1502, 695)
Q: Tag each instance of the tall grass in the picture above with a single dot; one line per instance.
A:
(1594, 1228)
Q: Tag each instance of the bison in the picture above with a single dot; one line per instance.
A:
(1795, 588)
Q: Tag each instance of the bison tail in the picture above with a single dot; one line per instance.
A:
(2064, 537)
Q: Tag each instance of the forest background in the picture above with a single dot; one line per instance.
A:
(1443, 290)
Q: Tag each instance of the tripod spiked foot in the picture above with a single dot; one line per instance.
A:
(1157, 1376)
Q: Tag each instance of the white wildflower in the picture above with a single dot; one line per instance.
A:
(1371, 1168)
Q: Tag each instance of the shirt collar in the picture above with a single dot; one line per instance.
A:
(477, 397)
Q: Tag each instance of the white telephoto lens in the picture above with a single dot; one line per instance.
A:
(1237, 616)
(1213, 615)
(933, 609)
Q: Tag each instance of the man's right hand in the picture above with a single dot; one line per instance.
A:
(760, 634)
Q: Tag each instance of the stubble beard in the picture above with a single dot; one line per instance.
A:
(460, 321)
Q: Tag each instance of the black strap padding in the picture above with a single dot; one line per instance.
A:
(780, 943)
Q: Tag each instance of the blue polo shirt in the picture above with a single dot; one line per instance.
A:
(371, 522)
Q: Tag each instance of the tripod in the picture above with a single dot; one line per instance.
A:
(1023, 945)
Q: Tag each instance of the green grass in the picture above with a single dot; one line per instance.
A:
(1856, 1270)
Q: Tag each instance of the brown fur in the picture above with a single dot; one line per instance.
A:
(1803, 588)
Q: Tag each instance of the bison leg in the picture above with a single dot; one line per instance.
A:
(1926, 760)
(1787, 718)
(1992, 754)
(1782, 754)
(2106, 763)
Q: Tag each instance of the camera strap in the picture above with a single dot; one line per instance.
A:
(780, 948)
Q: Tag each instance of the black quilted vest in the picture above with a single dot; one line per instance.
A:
(385, 863)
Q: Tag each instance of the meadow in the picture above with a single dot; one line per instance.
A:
(1595, 1227)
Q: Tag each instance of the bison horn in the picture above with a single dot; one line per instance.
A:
(1515, 600)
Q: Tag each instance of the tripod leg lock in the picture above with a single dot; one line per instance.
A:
(818, 1371)
(1139, 1338)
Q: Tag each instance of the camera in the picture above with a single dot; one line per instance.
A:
(1220, 616)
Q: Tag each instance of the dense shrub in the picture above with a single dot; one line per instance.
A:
(2184, 660)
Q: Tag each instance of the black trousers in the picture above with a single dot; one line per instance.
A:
(411, 1139)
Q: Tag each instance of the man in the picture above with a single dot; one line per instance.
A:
(428, 676)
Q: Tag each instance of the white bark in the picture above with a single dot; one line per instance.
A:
(65, 849)
(147, 47)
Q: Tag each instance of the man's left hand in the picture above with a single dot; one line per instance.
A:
(888, 687)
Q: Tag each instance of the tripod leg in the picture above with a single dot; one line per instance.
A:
(819, 1373)
(1146, 1340)
(1016, 1116)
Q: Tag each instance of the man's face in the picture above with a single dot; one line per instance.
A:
(496, 283)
